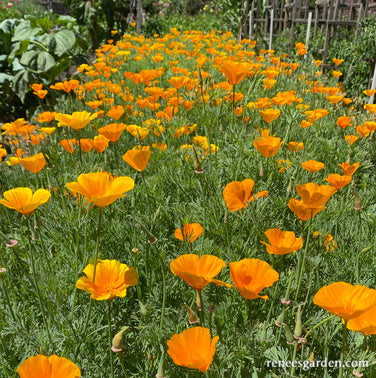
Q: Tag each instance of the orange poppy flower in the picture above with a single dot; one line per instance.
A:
(198, 271)
(295, 146)
(101, 188)
(68, 144)
(370, 107)
(313, 165)
(33, 163)
(76, 120)
(270, 115)
(85, 144)
(160, 146)
(338, 181)
(234, 71)
(345, 300)
(47, 130)
(336, 74)
(351, 139)
(189, 232)
(24, 200)
(343, 122)
(250, 276)
(337, 62)
(364, 323)
(193, 348)
(178, 81)
(282, 242)
(302, 211)
(369, 92)
(348, 169)
(116, 112)
(313, 195)
(99, 143)
(138, 131)
(267, 146)
(45, 117)
(48, 367)
(112, 131)
(112, 279)
(238, 194)
(138, 158)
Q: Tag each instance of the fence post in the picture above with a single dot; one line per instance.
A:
(373, 85)
(271, 28)
(308, 29)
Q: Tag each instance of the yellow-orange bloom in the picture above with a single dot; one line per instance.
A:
(302, 211)
(270, 115)
(338, 181)
(295, 146)
(112, 131)
(48, 367)
(282, 242)
(234, 71)
(313, 165)
(76, 120)
(348, 169)
(101, 188)
(33, 163)
(189, 232)
(24, 200)
(112, 279)
(250, 276)
(351, 139)
(193, 348)
(267, 146)
(198, 271)
(238, 194)
(364, 323)
(315, 196)
(343, 122)
(345, 300)
(138, 158)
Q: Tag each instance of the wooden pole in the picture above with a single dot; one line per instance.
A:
(271, 28)
(373, 86)
(250, 23)
(308, 29)
(139, 16)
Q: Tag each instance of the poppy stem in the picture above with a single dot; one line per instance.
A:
(98, 240)
(356, 270)
(121, 359)
(343, 346)
(200, 307)
(110, 337)
(32, 263)
(301, 268)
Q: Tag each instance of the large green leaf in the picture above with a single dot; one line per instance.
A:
(25, 31)
(18, 49)
(21, 83)
(5, 77)
(7, 26)
(45, 61)
(47, 40)
(29, 59)
(65, 40)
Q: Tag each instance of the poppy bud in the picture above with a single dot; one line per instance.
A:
(365, 250)
(289, 335)
(197, 163)
(192, 317)
(151, 238)
(142, 308)
(358, 203)
(298, 324)
(280, 318)
(117, 341)
(160, 372)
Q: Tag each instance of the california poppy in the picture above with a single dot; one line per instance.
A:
(138, 158)
(76, 120)
(250, 276)
(345, 300)
(189, 232)
(193, 348)
(270, 115)
(24, 200)
(302, 211)
(99, 143)
(238, 194)
(101, 188)
(33, 163)
(198, 271)
(315, 196)
(364, 323)
(348, 169)
(112, 131)
(48, 367)
(268, 145)
(338, 181)
(112, 279)
(234, 71)
(282, 242)
(295, 146)
(343, 122)
(313, 166)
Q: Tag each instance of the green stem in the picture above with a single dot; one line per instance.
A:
(343, 346)
(110, 337)
(201, 310)
(121, 359)
(356, 270)
(317, 325)
(300, 272)
(36, 283)
(98, 240)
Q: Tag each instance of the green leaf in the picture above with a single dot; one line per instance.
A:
(29, 59)
(65, 40)
(7, 26)
(25, 31)
(5, 77)
(20, 84)
(18, 49)
(47, 40)
(45, 61)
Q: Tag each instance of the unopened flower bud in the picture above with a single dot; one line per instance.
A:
(280, 318)
(358, 204)
(298, 324)
(192, 317)
(289, 335)
(117, 341)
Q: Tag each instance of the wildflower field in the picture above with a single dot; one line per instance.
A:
(193, 206)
